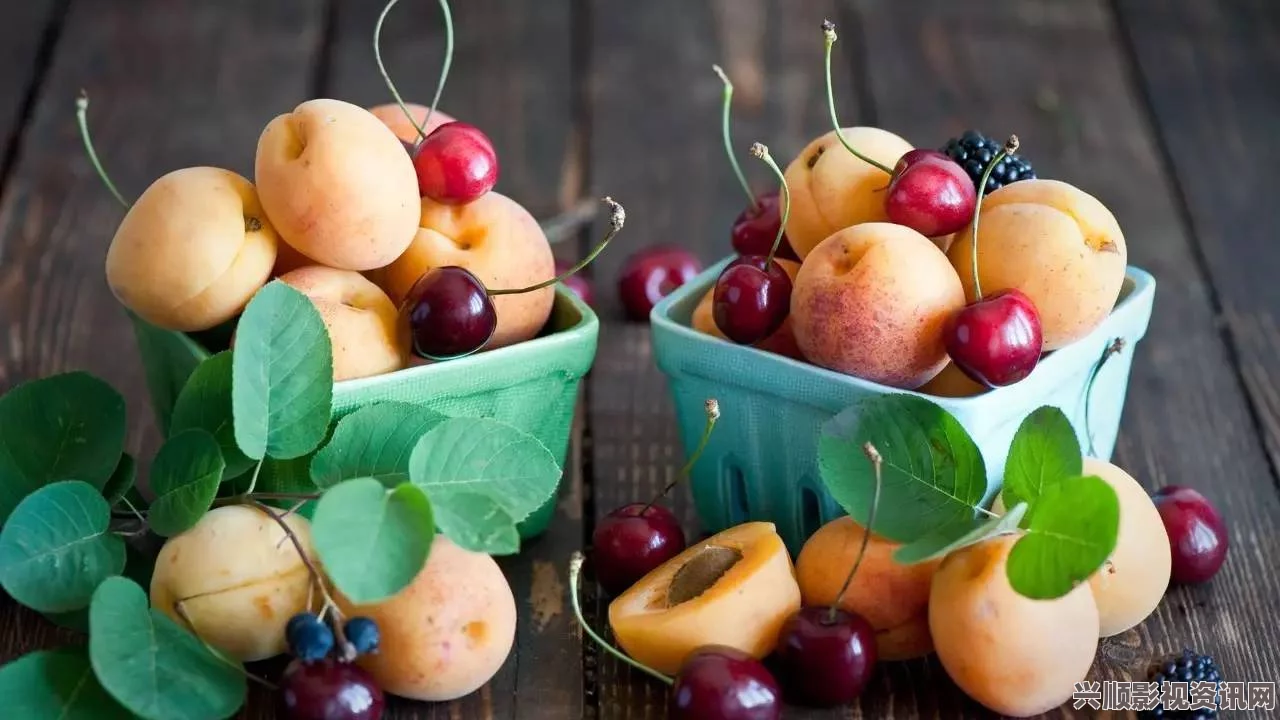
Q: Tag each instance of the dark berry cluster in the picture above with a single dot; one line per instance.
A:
(311, 639)
(973, 151)
(322, 684)
(1186, 668)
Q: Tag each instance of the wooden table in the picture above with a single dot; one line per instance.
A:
(1165, 109)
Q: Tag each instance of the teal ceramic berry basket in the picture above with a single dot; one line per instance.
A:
(532, 385)
(761, 461)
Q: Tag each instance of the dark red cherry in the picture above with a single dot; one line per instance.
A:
(723, 683)
(1197, 534)
(824, 661)
(329, 690)
(449, 313)
(996, 341)
(756, 227)
(752, 299)
(930, 194)
(576, 283)
(630, 542)
(456, 164)
(651, 273)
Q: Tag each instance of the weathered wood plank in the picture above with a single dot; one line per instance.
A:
(27, 38)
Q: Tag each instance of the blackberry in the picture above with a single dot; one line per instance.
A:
(362, 633)
(973, 152)
(1188, 667)
(309, 637)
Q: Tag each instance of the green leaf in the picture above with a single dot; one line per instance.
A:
(1070, 533)
(482, 456)
(138, 565)
(185, 477)
(152, 666)
(477, 522)
(49, 684)
(56, 547)
(932, 472)
(282, 375)
(374, 441)
(1044, 451)
(121, 480)
(168, 357)
(205, 403)
(373, 541)
(63, 427)
(955, 535)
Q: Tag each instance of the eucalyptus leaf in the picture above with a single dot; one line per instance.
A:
(1044, 451)
(49, 684)
(482, 456)
(375, 441)
(121, 480)
(152, 666)
(62, 427)
(56, 547)
(373, 541)
(959, 534)
(477, 522)
(1070, 532)
(168, 358)
(205, 403)
(932, 472)
(185, 477)
(282, 375)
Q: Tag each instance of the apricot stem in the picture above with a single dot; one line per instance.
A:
(1113, 348)
(829, 35)
(316, 577)
(760, 151)
(1010, 146)
(617, 218)
(575, 572)
(82, 109)
(876, 461)
(182, 613)
(712, 409)
(728, 142)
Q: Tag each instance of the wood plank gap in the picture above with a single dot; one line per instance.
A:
(853, 26)
(40, 68)
(322, 70)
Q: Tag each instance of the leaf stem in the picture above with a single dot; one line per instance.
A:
(760, 151)
(829, 35)
(876, 461)
(727, 137)
(1113, 348)
(82, 110)
(253, 481)
(1010, 146)
(712, 409)
(575, 572)
(617, 218)
(182, 613)
(316, 577)
(136, 513)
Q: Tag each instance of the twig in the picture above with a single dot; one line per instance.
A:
(182, 613)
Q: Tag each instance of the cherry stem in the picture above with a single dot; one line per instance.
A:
(617, 218)
(316, 577)
(760, 151)
(1010, 146)
(444, 71)
(712, 408)
(728, 141)
(82, 110)
(876, 461)
(829, 35)
(182, 613)
(1113, 348)
(575, 572)
(448, 59)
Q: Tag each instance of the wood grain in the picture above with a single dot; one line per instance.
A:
(28, 37)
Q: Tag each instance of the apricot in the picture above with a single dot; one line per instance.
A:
(499, 242)
(953, 383)
(338, 185)
(192, 250)
(735, 588)
(364, 327)
(1015, 655)
(832, 190)
(237, 578)
(1132, 582)
(393, 117)
(893, 597)
(448, 632)
(1054, 242)
(872, 300)
(782, 341)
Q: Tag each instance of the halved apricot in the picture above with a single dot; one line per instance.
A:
(735, 588)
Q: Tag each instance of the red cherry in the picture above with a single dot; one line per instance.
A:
(576, 283)
(752, 299)
(631, 541)
(1197, 534)
(723, 683)
(329, 690)
(651, 273)
(930, 193)
(825, 661)
(449, 313)
(456, 164)
(996, 341)
(756, 227)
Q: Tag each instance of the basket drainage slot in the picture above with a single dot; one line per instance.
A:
(736, 492)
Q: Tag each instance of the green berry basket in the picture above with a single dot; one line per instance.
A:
(532, 385)
(761, 461)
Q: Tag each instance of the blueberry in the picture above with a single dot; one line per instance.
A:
(362, 633)
(308, 637)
